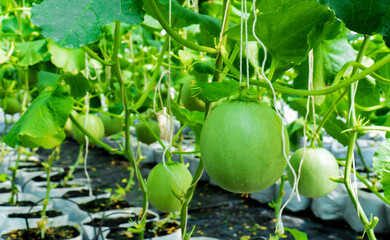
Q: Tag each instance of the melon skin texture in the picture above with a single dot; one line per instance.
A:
(112, 125)
(241, 146)
(163, 188)
(317, 167)
(10, 105)
(94, 126)
(143, 133)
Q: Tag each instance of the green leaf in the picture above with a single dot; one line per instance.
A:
(363, 16)
(12, 25)
(3, 177)
(285, 27)
(384, 72)
(193, 119)
(9, 25)
(68, 59)
(46, 80)
(385, 181)
(329, 57)
(298, 235)
(32, 52)
(381, 163)
(215, 91)
(3, 56)
(76, 23)
(381, 158)
(190, 118)
(336, 123)
(367, 94)
(42, 125)
(79, 85)
(185, 17)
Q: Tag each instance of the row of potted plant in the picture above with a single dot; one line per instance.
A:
(41, 200)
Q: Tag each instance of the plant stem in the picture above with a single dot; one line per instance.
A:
(69, 175)
(187, 200)
(348, 186)
(353, 87)
(191, 190)
(96, 57)
(372, 189)
(330, 111)
(362, 158)
(371, 128)
(173, 34)
(14, 10)
(152, 81)
(223, 40)
(128, 152)
(371, 108)
(47, 166)
(279, 199)
(14, 170)
(326, 91)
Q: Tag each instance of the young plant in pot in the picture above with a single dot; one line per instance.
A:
(97, 225)
(164, 229)
(38, 223)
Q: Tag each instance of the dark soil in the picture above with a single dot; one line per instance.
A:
(5, 190)
(112, 221)
(65, 185)
(104, 204)
(19, 204)
(213, 212)
(35, 167)
(81, 193)
(49, 213)
(151, 231)
(52, 233)
(54, 178)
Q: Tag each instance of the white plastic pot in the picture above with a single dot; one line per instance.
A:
(32, 222)
(16, 227)
(22, 209)
(39, 188)
(10, 158)
(147, 151)
(294, 205)
(24, 178)
(8, 185)
(265, 196)
(91, 232)
(387, 208)
(332, 206)
(368, 148)
(371, 205)
(83, 198)
(172, 236)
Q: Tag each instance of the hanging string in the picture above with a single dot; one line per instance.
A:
(310, 87)
(244, 24)
(354, 183)
(168, 112)
(86, 137)
(241, 40)
(246, 45)
(279, 225)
